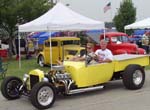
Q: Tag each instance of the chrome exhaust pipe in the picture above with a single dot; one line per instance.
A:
(85, 89)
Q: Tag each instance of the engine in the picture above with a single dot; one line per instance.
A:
(57, 76)
(63, 78)
(60, 74)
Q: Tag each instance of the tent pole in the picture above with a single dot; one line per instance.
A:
(19, 50)
(50, 51)
(51, 57)
(104, 33)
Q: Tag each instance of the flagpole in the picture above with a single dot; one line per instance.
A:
(111, 14)
(106, 8)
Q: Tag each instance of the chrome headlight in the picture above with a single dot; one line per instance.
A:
(25, 77)
(45, 79)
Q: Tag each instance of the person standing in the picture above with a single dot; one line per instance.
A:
(145, 42)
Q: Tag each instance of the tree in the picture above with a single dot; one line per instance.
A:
(14, 12)
(126, 15)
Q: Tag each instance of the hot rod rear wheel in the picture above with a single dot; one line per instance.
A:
(43, 95)
(134, 77)
(10, 87)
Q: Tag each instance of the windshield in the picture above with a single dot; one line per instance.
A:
(53, 44)
(119, 39)
(72, 52)
(71, 42)
(75, 52)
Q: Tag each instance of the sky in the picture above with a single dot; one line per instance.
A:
(94, 8)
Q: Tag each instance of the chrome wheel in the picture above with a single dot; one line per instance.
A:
(137, 77)
(45, 96)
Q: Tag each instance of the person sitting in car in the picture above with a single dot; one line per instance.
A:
(103, 54)
(89, 53)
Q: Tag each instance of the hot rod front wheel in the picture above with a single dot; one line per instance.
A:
(43, 95)
(134, 77)
(10, 87)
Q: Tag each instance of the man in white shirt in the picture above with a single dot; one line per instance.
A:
(104, 54)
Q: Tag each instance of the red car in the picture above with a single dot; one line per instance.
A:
(118, 43)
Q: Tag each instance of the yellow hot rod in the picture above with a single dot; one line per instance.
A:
(75, 77)
(61, 48)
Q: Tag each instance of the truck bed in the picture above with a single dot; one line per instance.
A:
(123, 60)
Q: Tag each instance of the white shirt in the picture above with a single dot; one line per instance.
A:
(145, 40)
(104, 54)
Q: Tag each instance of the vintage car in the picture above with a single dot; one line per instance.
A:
(61, 48)
(119, 43)
(75, 77)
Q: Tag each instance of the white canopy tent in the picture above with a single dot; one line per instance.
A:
(139, 25)
(60, 18)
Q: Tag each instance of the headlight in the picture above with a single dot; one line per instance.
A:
(25, 77)
(45, 79)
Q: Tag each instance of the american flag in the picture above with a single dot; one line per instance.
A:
(107, 7)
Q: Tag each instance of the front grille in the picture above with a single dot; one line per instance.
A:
(33, 80)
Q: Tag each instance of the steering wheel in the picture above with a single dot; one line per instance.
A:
(89, 58)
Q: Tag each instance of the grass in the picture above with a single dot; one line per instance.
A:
(147, 67)
(26, 66)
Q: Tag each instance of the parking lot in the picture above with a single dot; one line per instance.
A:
(113, 97)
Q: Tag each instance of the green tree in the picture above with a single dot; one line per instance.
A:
(126, 15)
(14, 12)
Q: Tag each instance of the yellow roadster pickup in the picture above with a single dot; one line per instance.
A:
(75, 77)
